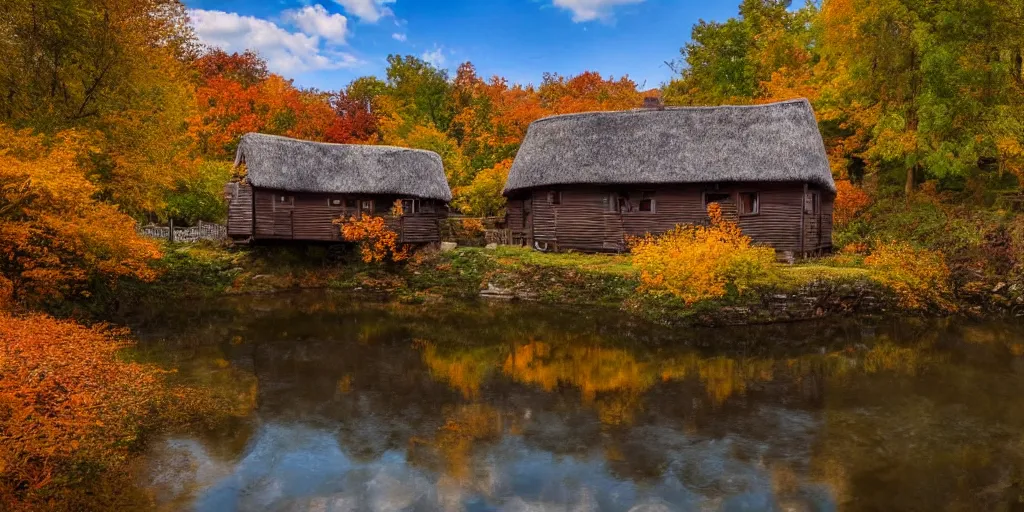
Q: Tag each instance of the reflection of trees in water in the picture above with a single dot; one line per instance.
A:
(929, 407)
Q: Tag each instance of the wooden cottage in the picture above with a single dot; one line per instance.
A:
(295, 189)
(587, 181)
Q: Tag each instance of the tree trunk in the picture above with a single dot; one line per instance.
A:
(909, 188)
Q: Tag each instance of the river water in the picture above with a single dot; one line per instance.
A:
(345, 402)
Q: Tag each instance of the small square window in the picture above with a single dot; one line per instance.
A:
(748, 203)
(554, 197)
(351, 203)
(646, 202)
(335, 202)
(409, 206)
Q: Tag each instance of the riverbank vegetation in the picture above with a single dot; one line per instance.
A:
(112, 113)
(73, 413)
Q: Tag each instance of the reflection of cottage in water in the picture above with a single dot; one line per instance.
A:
(587, 181)
(295, 189)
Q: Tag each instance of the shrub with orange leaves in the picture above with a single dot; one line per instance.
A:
(73, 412)
(64, 396)
(694, 262)
(473, 226)
(850, 200)
(56, 238)
(377, 242)
(918, 277)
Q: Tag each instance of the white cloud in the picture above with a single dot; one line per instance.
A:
(367, 10)
(590, 10)
(314, 20)
(397, 36)
(286, 52)
(435, 57)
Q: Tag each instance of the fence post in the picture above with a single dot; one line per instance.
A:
(170, 231)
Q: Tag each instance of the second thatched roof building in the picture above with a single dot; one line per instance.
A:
(587, 181)
(295, 189)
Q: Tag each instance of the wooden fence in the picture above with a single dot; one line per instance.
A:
(189, 235)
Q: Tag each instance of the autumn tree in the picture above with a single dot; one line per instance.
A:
(56, 238)
(937, 88)
(420, 89)
(482, 197)
(763, 54)
(116, 68)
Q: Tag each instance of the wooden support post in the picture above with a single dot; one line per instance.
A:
(170, 230)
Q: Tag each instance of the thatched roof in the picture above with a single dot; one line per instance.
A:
(303, 166)
(775, 142)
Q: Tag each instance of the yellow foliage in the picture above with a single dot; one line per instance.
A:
(695, 263)
(55, 237)
(918, 277)
(377, 242)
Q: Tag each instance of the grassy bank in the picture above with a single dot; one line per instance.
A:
(506, 272)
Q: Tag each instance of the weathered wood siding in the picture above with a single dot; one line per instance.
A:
(239, 199)
(585, 220)
(311, 216)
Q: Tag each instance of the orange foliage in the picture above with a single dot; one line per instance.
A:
(377, 242)
(850, 200)
(72, 411)
(919, 277)
(65, 396)
(55, 237)
(474, 226)
(229, 107)
(694, 262)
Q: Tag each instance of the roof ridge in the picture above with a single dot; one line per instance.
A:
(672, 109)
(335, 144)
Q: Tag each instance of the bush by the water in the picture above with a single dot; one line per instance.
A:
(694, 262)
(918, 277)
(72, 412)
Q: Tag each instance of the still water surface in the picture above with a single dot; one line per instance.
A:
(353, 405)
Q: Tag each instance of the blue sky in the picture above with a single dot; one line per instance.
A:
(327, 43)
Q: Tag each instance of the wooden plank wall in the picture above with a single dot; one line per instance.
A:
(583, 221)
(239, 198)
(264, 213)
(778, 220)
(311, 217)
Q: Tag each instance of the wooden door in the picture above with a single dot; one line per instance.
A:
(613, 237)
(284, 210)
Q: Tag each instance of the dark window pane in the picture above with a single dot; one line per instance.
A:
(748, 203)
(715, 197)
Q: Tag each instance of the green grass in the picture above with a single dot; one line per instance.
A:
(807, 272)
(599, 263)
